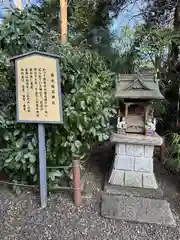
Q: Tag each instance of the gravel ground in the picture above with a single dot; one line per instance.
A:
(21, 218)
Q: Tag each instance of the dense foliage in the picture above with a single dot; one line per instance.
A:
(173, 154)
(87, 102)
(156, 44)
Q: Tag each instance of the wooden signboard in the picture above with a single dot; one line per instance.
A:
(38, 91)
(38, 100)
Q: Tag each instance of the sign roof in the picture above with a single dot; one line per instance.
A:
(34, 53)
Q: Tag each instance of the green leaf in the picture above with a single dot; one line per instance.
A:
(6, 137)
(105, 136)
(93, 131)
(8, 122)
(73, 90)
(83, 105)
(80, 128)
(82, 156)
(18, 166)
(18, 156)
(30, 146)
(78, 144)
(73, 148)
(52, 175)
(100, 137)
(27, 155)
(20, 143)
(102, 121)
(35, 178)
(113, 111)
(34, 141)
(32, 169)
(32, 158)
(58, 173)
(8, 160)
(16, 132)
(23, 160)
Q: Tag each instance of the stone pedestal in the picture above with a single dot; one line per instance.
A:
(131, 192)
(133, 163)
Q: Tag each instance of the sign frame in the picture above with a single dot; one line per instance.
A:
(41, 128)
(36, 53)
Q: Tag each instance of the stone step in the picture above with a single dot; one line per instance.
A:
(133, 192)
(137, 209)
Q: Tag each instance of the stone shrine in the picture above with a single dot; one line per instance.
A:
(131, 191)
(136, 137)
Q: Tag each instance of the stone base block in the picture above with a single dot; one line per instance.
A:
(133, 163)
(149, 181)
(117, 177)
(124, 163)
(130, 138)
(133, 179)
(132, 191)
(137, 209)
(143, 164)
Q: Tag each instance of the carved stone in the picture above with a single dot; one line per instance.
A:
(133, 163)
(139, 139)
(136, 137)
(132, 170)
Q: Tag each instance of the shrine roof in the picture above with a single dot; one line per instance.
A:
(34, 53)
(138, 86)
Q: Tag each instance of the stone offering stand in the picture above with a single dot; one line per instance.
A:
(131, 191)
(133, 164)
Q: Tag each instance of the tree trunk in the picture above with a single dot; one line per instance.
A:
(63, 21)
(19, 4)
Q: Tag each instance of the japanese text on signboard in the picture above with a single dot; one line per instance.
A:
(38, 90)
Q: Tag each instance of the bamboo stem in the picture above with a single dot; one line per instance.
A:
(18, 184)
(59, 167)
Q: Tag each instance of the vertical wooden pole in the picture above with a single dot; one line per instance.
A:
(76, 163)
(19, 4)
(77, 182)
(63, 21)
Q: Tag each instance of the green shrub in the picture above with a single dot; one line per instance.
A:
(173, 161)
(87, 91)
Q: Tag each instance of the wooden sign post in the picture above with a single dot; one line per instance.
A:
(38, 99)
